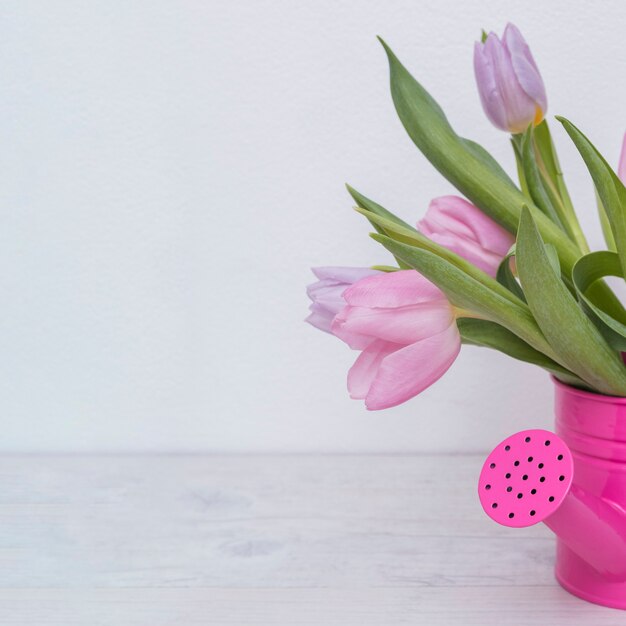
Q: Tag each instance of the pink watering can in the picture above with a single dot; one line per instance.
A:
(575, 483)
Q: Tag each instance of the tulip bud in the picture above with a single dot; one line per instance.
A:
(463, 228)
(406, 329)
(510, 86)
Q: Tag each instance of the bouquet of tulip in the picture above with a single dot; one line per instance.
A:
(507, 268)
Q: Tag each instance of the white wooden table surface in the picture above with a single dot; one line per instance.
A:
(268, 540)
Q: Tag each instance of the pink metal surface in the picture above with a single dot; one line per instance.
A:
(591, 524)
(525, 479)
(582, 497)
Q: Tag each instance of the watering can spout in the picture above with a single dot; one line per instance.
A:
(594, 529)
(528, 478)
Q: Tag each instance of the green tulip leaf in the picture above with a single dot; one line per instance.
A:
(418, 240)
(543, 181)
(374, 208)
(542, 195)
(516, 144)
(589, 269)
(487, 159)
(575, 339)
(479, 332)
(610, 188)
(606, 225)
(550, 168)
(385, 268)
(545, 146)
(465, 292)
(505, 275)
(468, 167)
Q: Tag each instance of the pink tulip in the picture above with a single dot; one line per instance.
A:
(621, 170)
(326, 296)
(510, 86)
(406, 330)
(463, 228)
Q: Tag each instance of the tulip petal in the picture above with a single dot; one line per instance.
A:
(340, 327)
(343, 275)
(483, 259)
(402, 325)
(460, 217)
(328, 294)
(365, 368)
(392, 290)
(463, 228)
(520, 108)
(524, 66)
(320, 317)
(490, 97)
(404, 373)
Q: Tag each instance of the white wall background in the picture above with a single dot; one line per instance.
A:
(169, 171)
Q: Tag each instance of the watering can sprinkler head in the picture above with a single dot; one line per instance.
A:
(530, 477)
(526, 478)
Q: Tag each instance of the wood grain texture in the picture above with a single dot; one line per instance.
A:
(268, 540)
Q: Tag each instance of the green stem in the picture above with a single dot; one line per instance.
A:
(550, 167)
(516, 142)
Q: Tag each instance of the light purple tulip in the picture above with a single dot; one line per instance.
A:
(463, 228)
(510, 86)
(326, 296)
(621, 170)
(407, 332)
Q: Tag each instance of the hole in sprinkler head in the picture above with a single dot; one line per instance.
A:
(547, 442)
(561, 478)
(542, 479)
(532, 513)
(494, 505)
(559, 458)
(516, 463)
(509, 489)
(507, 448)
(527, 439)
(507, 475)
(551, 499)
(492, 465)
(487, 487)
(530, 459)
(520, 496)
(511, 515)
(533, 491)
(540, 466)
(525, 477)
